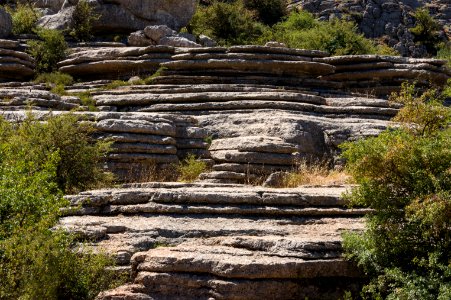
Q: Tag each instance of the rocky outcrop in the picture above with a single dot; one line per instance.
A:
(6, 24)
(115, 62)
(17, 97)
(247, 159)
(14, 63)
(382, 75)
(121, 15)
(161, 35)
(389, 20)
(225, 241)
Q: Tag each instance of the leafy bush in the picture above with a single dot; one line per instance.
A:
(37, 262)
(228, 23)
(426, 30)
(24, 17)
(269, 12)
(82, 21)
(191, 168)
(338, 37)
(444, 52)
(405, 176)
(56, 81)
(78, 165)
(48, 50)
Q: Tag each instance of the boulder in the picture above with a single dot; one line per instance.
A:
(125, 15)
(6, 24)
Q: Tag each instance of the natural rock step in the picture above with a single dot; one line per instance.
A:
(276, 50)
(248, 56)
(120, 137)
(142, 157)
(143, 148)
(148, 99)
(257, 169)
(136, 126)
(229, 262)
(279, 67)
(254, 144)
(182, 286)
(352, 59)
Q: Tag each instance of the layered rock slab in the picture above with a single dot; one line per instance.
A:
(220, 254)
(14, 63)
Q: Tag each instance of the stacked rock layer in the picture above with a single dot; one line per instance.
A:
(115, 62)
(14, 63)
(382, 75)
(202, 241)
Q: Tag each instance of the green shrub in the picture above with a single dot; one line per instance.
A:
(79, 158)
(82, 21)
(24, 17)
(37, 262)
(228, 23)
(338, 37)
(269, 12)
(426, 30)
(56, 81)
(405, 176)
(444, 52)
(191, 168)
(48, 50)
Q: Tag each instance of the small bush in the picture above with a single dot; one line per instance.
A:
(191, 168)
(444, 52)
(228, 23)
(338, 37)
(82, 21)
(426, 30)
(24, 17)
(48, 50)
(314, 173)
(56, 81)
(269, 12)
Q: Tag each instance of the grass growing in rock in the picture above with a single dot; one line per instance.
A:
(190, 169)
(316, 173)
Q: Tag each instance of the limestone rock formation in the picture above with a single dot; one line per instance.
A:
(14, 63)
(115, 62)
(22, 97)
(161, 35)
(6, 25)
(382, 75)
(122, 15)
(390, 20)
(228, 241)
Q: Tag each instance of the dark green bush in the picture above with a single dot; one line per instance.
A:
(36, 261)
(24, 17)
(426, 30)
(338, 37)
(82, 21)
(405, 176)
(228, 23)
(269, 12)
(48, 50)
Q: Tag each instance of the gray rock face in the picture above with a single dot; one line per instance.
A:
(6, 25)
(14, 64)
(389, 20)
(125, 15)
(228, 240)
(161, 35)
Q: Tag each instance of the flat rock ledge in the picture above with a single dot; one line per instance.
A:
(115, 62)
(14, 63)
(220, 241)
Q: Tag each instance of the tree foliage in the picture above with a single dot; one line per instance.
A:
(405, 176)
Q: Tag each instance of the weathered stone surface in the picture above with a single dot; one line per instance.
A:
(6, 24)
(232, 156)
(281, 254)
(125, 15)
(20, 98)
(136, 126)
(14, 64)
(8, 44)
(254, 144)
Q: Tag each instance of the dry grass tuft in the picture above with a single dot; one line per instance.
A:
(316, 173)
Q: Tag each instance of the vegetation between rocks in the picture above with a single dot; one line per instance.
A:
(38, 161)
(405, 176)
